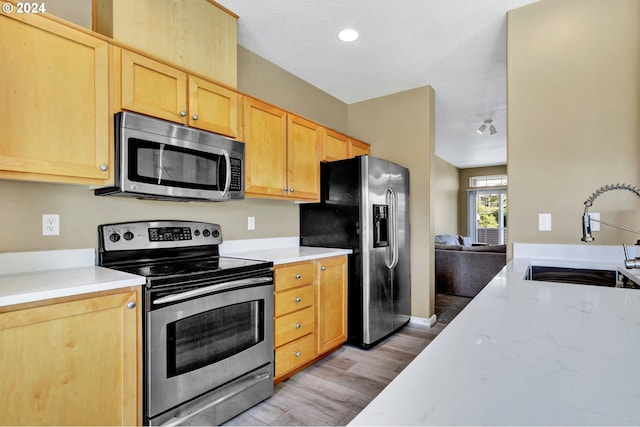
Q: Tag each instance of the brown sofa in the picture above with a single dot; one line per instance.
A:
(464, 270)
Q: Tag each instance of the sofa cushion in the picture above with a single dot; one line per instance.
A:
(448, 247)
(447, 239)
(490, 248)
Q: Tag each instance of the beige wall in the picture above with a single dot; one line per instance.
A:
(401, 129)
(464, 176)
(445, 197)
(574, 117)
(262, 79)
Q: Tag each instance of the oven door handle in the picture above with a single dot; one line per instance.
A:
(213, 288)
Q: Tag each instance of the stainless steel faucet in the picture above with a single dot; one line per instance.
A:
(586, 218)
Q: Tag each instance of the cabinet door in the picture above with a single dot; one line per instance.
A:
(304, 148)
(335, 147)
(71, 363)
(152, 88)
(358, 148)
(198, 35)
(213, 108)
(265, 137)
(54, 102)
(331, 303)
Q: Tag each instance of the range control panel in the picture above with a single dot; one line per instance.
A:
(158, 234)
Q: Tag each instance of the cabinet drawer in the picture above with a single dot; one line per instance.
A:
(295, 275)
(294, 299)
(294, 354)
(293, 326)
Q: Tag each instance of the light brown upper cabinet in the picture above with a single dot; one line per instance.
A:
(358, 148)
(55, 119)
(335, 147)
(338, 146)
(198, 35)
(282, 153)
(304, 146)
(159, 90)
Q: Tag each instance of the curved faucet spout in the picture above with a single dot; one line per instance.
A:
(586, 218)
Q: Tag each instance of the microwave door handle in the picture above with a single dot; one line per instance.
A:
(227, 182)
(213, 288)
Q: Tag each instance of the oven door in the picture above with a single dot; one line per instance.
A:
(197, 345)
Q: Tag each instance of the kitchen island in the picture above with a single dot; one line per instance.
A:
(528, 353)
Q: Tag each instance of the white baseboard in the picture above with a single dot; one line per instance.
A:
(421, 321)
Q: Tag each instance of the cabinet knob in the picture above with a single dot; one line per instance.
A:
(183, 113)
(298, 299)
(286, 189)
(298, 325)
(104, 167)
(194, 117)
(298, 276)
(131, 304)
(323, 268)
(291, 190)
(298, 354)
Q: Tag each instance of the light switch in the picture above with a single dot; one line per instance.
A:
(251, 223)
(544, 222)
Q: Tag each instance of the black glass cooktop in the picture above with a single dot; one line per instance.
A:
(214, 266)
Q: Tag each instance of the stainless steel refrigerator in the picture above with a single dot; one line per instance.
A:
(365, 207)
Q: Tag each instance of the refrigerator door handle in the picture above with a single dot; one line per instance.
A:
(393, 214)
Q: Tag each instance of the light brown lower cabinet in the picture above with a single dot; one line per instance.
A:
(72, 361)
(310, 312)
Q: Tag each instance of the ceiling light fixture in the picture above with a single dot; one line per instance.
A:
(348, 35)
(483, 127)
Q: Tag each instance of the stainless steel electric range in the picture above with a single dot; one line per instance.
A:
(208, 320)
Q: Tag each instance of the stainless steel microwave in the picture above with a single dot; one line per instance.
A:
(156, 159)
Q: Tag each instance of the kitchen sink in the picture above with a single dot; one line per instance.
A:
(580, 276)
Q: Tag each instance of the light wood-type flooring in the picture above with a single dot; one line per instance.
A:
(333, 391)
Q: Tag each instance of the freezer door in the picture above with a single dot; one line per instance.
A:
(385, 249)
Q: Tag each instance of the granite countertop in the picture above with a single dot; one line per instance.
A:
(528, 353)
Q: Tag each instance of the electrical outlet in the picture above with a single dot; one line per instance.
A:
(251, 223)
(50, 224)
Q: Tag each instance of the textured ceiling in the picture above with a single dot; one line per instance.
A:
(456, 46)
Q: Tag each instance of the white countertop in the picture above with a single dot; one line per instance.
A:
(37, 276)
(278, 250)
(527, 353)
(41, 275)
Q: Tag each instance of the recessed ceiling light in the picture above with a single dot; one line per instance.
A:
(348, 35)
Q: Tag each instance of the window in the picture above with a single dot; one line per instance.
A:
(487, 209)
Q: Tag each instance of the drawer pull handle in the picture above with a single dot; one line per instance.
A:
(298, 299)
(323, 268)
(298, 276)
(298, 354)
(297, 325)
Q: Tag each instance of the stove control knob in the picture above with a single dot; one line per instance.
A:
(196, 233)
(206, 233)
(128, 235)
(215, 233)
(114, 237)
